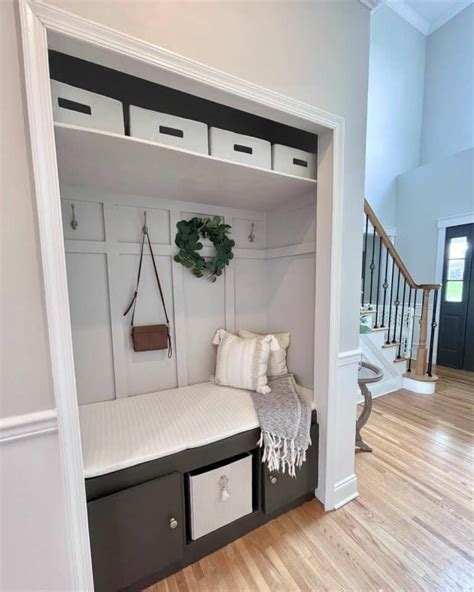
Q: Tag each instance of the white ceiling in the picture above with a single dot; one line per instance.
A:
(427, 15)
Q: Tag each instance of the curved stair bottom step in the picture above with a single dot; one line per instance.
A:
(425, 385)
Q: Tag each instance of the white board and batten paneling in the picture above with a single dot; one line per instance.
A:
(263, 289)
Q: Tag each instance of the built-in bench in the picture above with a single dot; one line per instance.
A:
(139, 453)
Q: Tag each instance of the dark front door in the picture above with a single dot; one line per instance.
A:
(456, 327)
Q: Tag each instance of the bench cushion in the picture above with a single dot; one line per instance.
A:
(126, 432)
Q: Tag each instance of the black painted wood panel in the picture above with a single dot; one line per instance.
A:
(130, 533)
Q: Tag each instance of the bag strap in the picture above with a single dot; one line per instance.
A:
(133, 302)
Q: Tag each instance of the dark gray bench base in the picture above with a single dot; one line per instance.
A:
(132, 542)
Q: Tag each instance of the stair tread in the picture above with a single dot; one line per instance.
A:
(398, 360)
(387, 345)
(375, 329)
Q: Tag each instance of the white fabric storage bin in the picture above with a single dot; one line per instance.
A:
(239, 148)
(293, 161)
(169, 129)
(84, 108)
(220, 496)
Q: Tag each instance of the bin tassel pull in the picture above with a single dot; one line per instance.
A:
(223, 482)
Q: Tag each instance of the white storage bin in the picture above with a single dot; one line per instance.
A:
(293, 161)
(169, 129)
(220, 496)
(239, 148)
(84, 108)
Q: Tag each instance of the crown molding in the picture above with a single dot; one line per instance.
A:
(371, 4)
(407, 13)
(455, 9)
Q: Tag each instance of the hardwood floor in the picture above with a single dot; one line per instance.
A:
(411, 528)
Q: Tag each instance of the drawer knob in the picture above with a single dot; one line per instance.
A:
(273, 479)
(173, 523)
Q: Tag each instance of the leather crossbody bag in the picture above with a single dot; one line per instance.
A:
(149, 337)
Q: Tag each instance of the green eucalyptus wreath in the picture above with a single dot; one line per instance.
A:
(188, 241)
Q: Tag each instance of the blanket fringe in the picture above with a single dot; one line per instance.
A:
(281, 454)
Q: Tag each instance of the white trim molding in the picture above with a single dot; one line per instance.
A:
(457, 220)
(343, 486)
(349, 357)
(19, 427)
(345, 491)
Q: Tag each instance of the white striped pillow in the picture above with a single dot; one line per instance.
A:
(242, 363)
(277, 360)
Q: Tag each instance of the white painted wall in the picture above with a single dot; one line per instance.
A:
(442, 188)
(394, 109)
(256, 292)
(33, 543)
(448, 112)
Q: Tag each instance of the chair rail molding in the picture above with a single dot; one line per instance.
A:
(40, 21)
(19, 427)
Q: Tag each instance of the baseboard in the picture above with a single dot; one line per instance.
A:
(345, 491)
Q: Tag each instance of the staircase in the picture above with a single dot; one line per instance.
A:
(398, 316)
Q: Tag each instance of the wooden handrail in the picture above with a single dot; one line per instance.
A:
(393, 251)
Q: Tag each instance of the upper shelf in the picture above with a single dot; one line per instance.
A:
(114, 162)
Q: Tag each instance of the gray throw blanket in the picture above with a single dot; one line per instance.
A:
(284, 415)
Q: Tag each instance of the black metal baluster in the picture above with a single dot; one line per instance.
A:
(412, 332)
(385, 286)
(397, 304)
(391, 298)
(372, 268)
(433, 327)
(408, 311)
(378, 286)
(402, 320)
(364, 258)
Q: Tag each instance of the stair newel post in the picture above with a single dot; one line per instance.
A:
(422, 353)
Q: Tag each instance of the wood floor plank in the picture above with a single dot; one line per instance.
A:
(410, 529)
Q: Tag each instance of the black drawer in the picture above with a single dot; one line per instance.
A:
(136, 533)
(279, 490)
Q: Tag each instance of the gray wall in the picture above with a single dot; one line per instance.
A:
(448, 110)
(33, 541)
(420, 112)
(394, 109)
(436, 190)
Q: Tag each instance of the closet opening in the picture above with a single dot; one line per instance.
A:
(120, 186)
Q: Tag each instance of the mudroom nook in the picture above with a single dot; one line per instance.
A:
(198, 218)
(170, 454)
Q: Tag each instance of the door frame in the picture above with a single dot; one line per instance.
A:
(443, 224)
(338, 370)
